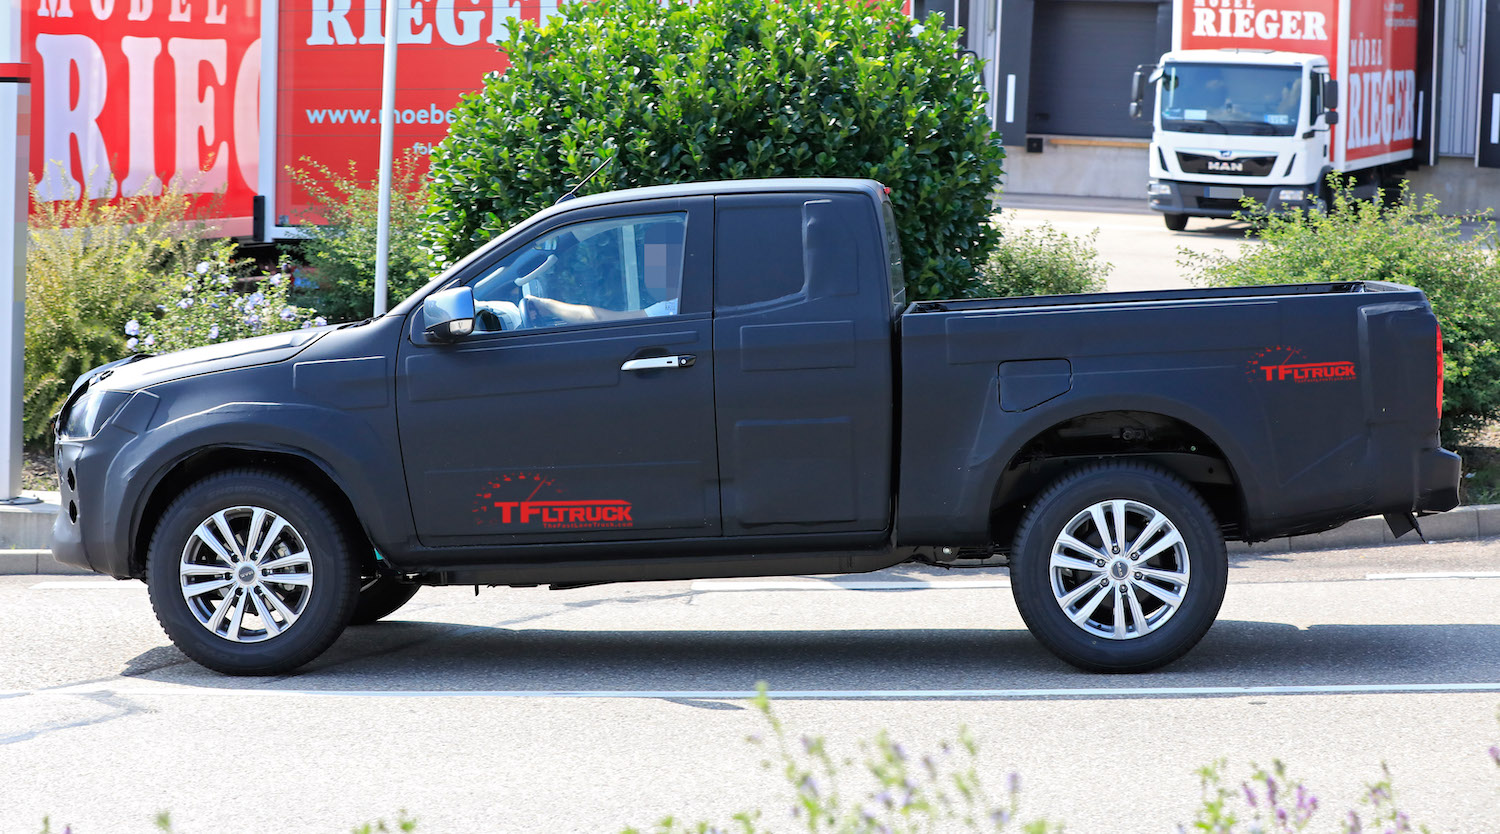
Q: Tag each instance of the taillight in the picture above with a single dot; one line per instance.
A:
(1440, 371)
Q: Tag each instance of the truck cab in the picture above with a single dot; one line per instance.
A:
(1237, 123)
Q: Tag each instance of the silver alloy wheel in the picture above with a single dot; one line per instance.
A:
(1128, 553)
(246, 574)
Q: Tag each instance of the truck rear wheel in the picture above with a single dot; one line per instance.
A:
(1175, 222)
(1119, 567)
(249, 573)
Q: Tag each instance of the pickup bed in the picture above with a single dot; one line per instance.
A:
(725, 379)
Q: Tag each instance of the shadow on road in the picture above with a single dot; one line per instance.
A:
(426, 656)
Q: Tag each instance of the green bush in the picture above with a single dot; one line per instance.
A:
(1040, 260)
(89, 268)
(728, 89)
(341, 251)
(216, 302)
(1408, 242)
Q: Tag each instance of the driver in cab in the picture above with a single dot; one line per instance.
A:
(612, 270)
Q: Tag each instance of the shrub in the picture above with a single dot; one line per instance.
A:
(341, 251)
(1408, 242)
(728, 89)
(89, 268)
(1040, 260)
(209, 304)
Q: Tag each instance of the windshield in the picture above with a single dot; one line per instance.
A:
(1230, 98)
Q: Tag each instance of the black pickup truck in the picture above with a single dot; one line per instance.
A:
(725, 379)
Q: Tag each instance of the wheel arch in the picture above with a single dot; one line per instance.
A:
(202, 462)
(1187, 443)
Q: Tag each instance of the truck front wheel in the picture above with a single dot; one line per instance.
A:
(1119, 567)
(249, 573)
(1175, 222)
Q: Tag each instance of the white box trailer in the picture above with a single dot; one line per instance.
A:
(1265, 98)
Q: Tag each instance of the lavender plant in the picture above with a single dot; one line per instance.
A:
(901, 792)
(215, 302)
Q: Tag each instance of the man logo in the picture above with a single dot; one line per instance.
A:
(1227, 167)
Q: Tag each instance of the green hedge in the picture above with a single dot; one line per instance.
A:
(728, 89)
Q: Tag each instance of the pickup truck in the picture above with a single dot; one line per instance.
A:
(725, 379)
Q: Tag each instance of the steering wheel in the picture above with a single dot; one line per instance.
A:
(532, 315)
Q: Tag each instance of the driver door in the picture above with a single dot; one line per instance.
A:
(541, 429)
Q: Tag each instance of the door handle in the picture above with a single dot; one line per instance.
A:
(656, 363)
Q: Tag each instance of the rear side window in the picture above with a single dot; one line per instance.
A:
(790, 246)
(758, 253)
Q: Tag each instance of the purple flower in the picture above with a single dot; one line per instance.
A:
(275, 280)
(320, 321)
(288, 313)
(131, 343)
(1249, 793)
(204, 267)
(133, 328)
(185, 303)
(213, 332)
(150, 340)
(1013, 782)
(1495, 753)
(1353, 825)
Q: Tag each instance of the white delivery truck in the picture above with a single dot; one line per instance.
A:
(1265, 98)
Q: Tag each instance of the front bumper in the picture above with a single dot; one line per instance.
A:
(1202, 200)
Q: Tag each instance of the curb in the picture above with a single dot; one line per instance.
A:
(26, 532)
(1468, 523)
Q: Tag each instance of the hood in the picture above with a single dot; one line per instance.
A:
(140, 371)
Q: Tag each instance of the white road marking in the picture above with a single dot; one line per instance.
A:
(1438, 575)
(89, 584)
(150, 690)
(811, 584)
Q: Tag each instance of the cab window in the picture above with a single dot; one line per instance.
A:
(599, 271)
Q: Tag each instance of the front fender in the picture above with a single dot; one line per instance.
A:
(349, 450)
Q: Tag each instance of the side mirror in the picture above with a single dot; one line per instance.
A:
(449, 314)
(1330, 95)
(1137, 91)
(1331, 118)
(1135, 110)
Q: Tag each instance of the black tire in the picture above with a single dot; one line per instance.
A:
(320, 580)
(1175, 222)
(380, 598)
(1040, 594)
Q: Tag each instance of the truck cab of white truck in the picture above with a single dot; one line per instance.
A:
(1235, 123)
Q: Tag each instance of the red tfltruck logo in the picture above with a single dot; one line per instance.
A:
(130, 94)
(1371, 47)
(522, 501)
(1287, 364)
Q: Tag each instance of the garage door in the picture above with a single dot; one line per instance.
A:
(1082, 55)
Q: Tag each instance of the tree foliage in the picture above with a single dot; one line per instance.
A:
(670, 92)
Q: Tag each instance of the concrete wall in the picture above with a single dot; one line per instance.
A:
(1081, 167)
(1462, 186)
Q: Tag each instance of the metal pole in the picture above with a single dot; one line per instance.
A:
(387, 152)
(15, 138)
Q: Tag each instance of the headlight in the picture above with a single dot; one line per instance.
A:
(1292, 195)
(90, 412)
(1158, 188)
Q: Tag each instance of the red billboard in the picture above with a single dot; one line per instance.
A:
(329, 66)
(130, 94)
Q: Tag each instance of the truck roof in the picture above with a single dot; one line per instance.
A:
(701, 189)
(1243, 56)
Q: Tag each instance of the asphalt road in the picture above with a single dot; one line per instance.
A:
(1143, 254)
(530, 710)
